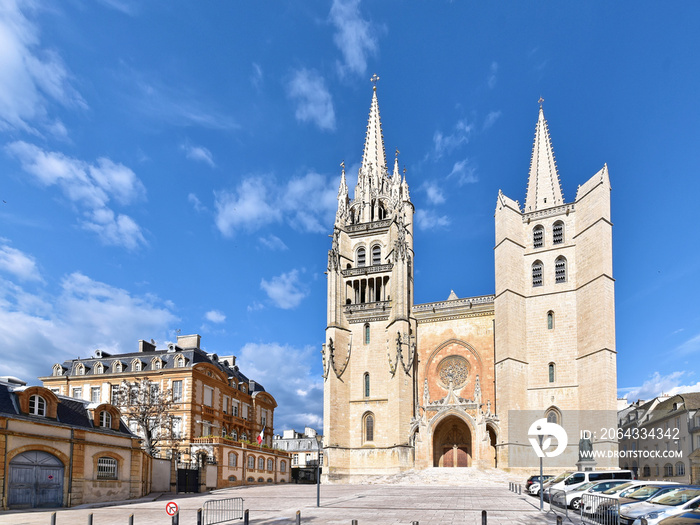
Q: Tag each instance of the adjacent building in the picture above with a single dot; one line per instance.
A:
(217, 412)
(305, 450)
(433, 385)
(60, 451)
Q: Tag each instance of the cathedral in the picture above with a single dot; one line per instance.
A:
(455, 383)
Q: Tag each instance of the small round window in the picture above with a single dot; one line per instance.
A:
(453, 369)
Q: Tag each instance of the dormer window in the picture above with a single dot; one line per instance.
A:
(57, 370)
(37, 406)
(157, 364)
(80, 369)
(179, 361)
(118, 367)
(360, 257)
(99, 368)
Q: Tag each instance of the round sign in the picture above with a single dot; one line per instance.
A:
(50, 476)
(171, 508)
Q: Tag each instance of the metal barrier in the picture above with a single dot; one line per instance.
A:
(557, 502)
(222, 510)
(599, 510)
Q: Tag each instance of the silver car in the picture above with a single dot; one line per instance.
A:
(677, 501)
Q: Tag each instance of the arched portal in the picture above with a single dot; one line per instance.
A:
(452, 443)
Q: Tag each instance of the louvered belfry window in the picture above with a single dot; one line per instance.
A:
(537, 274)
(558, 233)
(560, 270)
(538, 237)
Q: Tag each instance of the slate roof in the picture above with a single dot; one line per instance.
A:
(70, 412)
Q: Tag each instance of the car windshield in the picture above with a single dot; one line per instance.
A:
(676, 497)
(560, 477)
(619, 488)
(643, 493)
(585, 486)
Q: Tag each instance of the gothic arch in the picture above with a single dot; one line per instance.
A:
(456, 342)
(454, 442)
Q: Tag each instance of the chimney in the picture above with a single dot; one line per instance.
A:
(188, 341)
(251, 386)
(145, 346)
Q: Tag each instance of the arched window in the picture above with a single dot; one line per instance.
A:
(376, 255)
(99, 369)
(553, 415)
(37, 406)
(57, 370)
(261, 463)
(283, 466)
(251, 462)
(367, 333)
(106, 468)
(551, 372)
(538, 237)
(550, 320)
(244, 437)
(232, 478)
(118, 367)
(360, 257)
(270, 464)
(558, 233)
(105, 419)
(368, 427)
(366, 384)
(80, 369)
(234, 435)
(646, 471)
(537, 273)
(668, 470)
(680, 469)
(136, 365)
(560, 270)
(232, 459)
(157, 364)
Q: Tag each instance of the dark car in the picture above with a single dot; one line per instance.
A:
(536, 479)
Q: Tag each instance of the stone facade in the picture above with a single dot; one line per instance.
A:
(432, 385)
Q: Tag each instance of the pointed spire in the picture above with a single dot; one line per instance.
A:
(374, 156)
(543, 187)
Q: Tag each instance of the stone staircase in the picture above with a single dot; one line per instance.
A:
(457, 476)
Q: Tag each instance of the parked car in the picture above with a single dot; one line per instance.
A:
(535, 487)
(536, 480)
(692, 517)
(591, 507)
(573, 497)
(671, 503)
(640, 493)
(577, 479)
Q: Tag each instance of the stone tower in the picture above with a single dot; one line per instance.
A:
(554, 307)
(369, 350)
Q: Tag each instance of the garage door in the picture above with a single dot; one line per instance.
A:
(36, 480)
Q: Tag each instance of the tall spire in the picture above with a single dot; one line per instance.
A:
(374, 156)
(543, 187)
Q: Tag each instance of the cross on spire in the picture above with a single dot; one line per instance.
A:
(540, 101)
(374, 81)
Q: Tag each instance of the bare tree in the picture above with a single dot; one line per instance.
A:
(148, 411)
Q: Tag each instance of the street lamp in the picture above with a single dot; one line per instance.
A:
(540, 437)
(318, 478)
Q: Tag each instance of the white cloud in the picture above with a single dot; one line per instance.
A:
(464, 172)
(285, 290)
(122, 6)
(491, 119)
(255, 306)
(31, 77)
(670, 384)
(313, 101)
(90, 186)
(196, 203)
(434, 193)
(355, 37)
(492, 75)
(37, 331)
(215, 316)
(297, 389)
(198, 153)
(443, 144)
(257, 76)
(274, 243)
(18, 263)
(429, 220)
(260, 201)
(690, 346)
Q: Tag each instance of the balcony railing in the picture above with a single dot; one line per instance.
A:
(367, 307)
(366, 270)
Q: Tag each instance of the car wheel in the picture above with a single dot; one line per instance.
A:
(576, 503)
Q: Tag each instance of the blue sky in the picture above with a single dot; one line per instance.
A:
(174, 166)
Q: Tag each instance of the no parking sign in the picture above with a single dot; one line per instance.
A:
(171, 508)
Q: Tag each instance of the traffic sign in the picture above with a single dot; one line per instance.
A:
(171, 508)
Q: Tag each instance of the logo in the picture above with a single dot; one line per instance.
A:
(547, 430)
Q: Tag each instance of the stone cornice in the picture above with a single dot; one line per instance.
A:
(563, 209)
(368, 226)
(365, 270)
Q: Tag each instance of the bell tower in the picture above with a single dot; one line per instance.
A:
(369, 351)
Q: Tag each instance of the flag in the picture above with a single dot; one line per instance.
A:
(260, 436)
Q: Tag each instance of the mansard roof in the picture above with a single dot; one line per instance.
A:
(543, 186)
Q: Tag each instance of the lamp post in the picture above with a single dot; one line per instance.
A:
(541, 477)
(318, 478)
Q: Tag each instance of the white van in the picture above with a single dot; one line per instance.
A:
(576, 479)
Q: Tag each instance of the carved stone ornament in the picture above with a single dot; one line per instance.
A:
(453, 369)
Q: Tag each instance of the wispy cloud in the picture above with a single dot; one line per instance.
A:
(491, 119)
(260, 201)
(314, 103)
(491, 81)
(670, 384)
(32, 77)
(85, 315)
(291, 379)
(196, 203)
(90, 187)
(691, 346)
(444, 144)
(430, 220)
(286, 291)
(18, 263)
(198, 153)
(433, 192)
(464, 172)
(355, 37)
(272, 242)
(123, 6)
(257, 76)
(215, 316)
